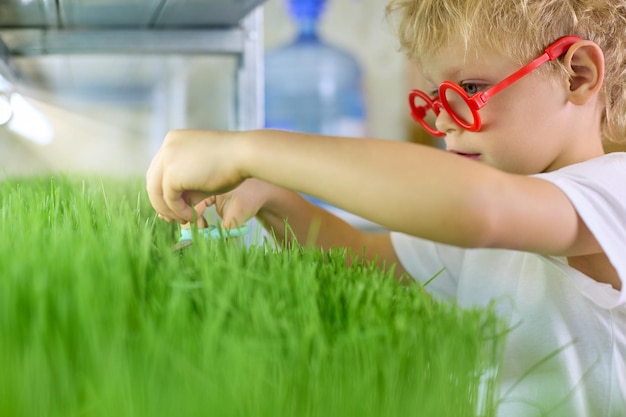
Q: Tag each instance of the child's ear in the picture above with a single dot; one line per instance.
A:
(585, 63)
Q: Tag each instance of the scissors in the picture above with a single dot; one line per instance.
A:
(208, 233)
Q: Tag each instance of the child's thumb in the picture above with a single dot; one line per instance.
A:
(234, 214)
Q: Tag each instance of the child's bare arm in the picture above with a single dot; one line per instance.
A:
(290, 217)
(405, 187)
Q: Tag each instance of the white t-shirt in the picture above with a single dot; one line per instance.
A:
(566, 352)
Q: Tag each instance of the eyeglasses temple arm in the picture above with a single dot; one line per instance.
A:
(551, 53)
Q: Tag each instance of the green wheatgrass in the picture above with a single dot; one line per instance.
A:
(98, 317)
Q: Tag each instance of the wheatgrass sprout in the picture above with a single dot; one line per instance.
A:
(98, 317)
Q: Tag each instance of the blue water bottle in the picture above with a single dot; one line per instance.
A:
(311, 85)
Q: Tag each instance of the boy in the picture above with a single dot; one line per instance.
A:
(523, 208)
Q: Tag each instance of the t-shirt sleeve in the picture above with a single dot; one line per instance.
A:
(597, 189)
(431, 262)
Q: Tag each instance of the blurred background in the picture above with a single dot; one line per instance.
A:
(89, 96)
(93, 86)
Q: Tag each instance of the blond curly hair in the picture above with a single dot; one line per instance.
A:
(521, 29)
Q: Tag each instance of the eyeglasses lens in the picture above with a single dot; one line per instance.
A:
(423, 110)
(457, 103)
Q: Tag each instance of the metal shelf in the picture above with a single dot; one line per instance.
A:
(139, 14)
(133, 27)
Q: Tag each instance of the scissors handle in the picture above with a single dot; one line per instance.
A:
(213, 233)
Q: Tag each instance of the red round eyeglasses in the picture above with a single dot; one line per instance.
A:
(462, 108)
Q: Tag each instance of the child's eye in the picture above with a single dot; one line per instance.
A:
(432, 91)
(472, 88)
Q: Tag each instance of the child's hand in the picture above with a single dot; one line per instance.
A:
(241, 204)
(235, 207)
(190, 167)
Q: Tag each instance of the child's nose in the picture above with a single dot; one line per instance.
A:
(444, 123)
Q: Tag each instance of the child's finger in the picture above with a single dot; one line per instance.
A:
(235, 214)
(200, 207)
(175, 207)
(162, 217)
(154, 188)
